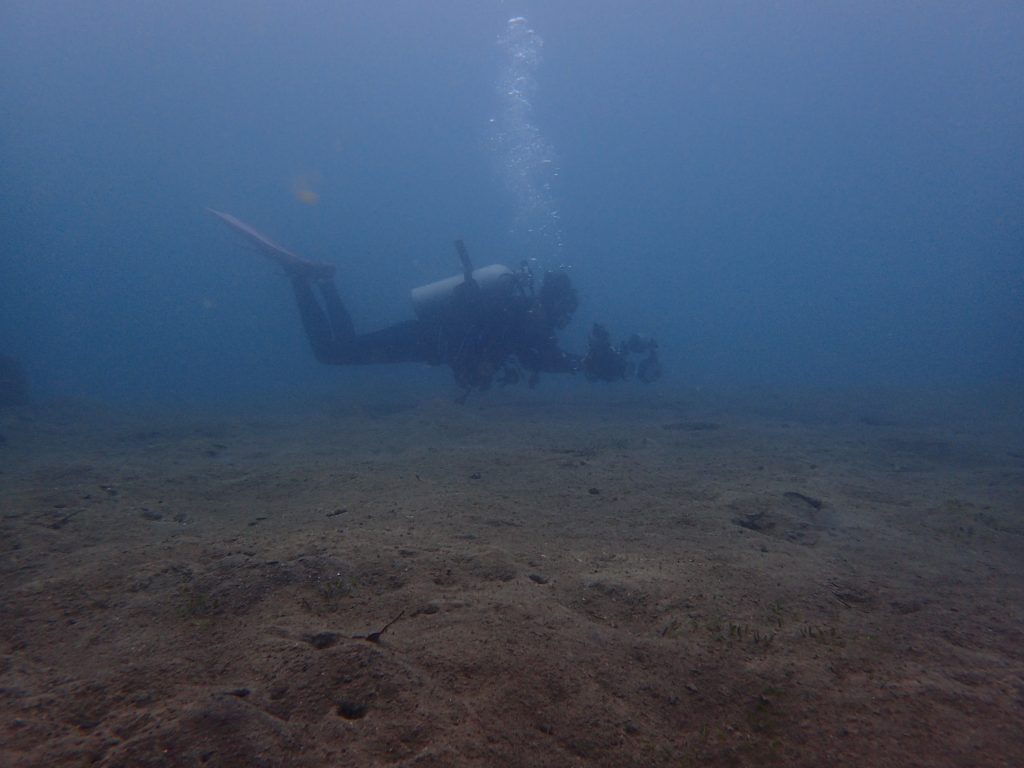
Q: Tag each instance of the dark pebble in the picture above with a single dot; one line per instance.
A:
(536, 578)
(809, 500)
(152, 514)
(323, 640)
(351, 710)
(594, 491)
(908, 606)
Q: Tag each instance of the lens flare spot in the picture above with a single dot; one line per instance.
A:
(304, 188)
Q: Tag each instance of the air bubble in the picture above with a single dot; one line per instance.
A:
(526, 159)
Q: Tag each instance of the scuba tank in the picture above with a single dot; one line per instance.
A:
(493, 284)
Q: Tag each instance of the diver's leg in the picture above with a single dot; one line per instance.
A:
(400, 343)
(341, 321)
(315, 322)
(333, 339)
(406, 342)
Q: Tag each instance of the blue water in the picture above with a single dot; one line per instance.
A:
(789, 196)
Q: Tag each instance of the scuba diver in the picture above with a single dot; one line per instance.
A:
(488, 324)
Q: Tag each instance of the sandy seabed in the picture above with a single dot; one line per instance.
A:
(510, 583)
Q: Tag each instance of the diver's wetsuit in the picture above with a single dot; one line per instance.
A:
(476, 338)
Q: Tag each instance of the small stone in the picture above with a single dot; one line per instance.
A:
(351, 710)
(323, 640)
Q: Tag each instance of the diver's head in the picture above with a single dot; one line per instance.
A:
(558, 298)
